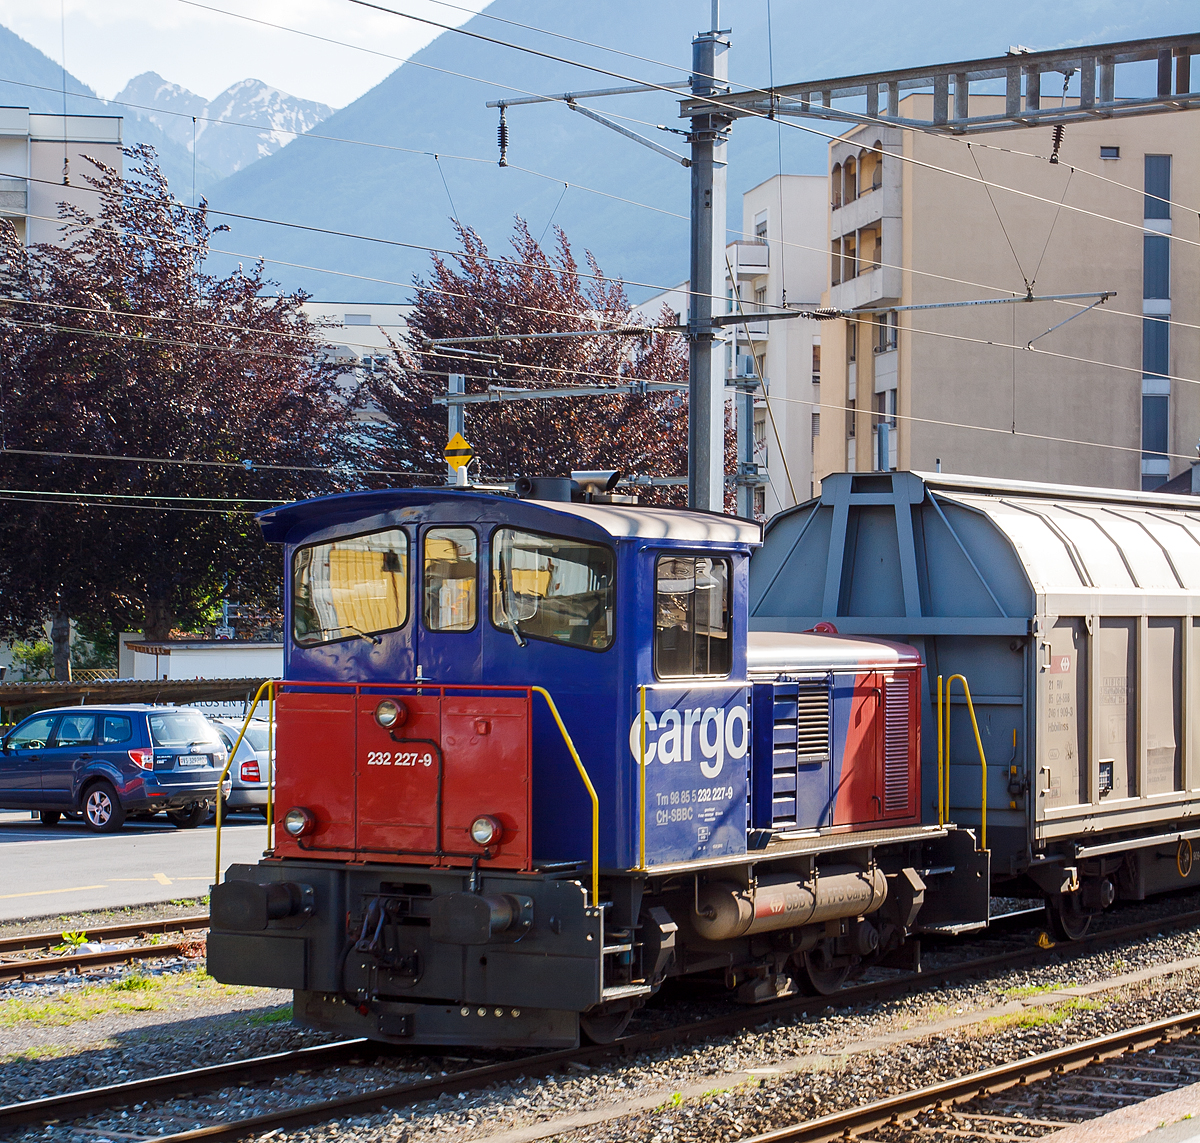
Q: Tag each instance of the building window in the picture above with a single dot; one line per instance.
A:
(885, 332)
(1110, 152)
(835, 186)
(852, 341)
(1156, 266)
(1155, 346)
(1158, 186)
(850, 177)
(850, 256)
(877, 172)
(760, 226)
(760, 299)
(1154, 426)
(835, 262)
(816, 363)
(816, 425)
(850, 426)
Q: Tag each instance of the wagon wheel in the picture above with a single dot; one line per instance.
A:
(824, 976)
(1067, 922)
(604, 1027)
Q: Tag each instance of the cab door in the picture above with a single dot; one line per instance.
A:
(21, 762)
(71, 748)
(448, 637)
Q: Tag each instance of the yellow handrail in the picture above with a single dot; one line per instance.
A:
(642, 779)
(269, 687)
(941, 797)
(979, 745)
(591, 793)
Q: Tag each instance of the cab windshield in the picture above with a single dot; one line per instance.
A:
(552, 588)
(353, 588)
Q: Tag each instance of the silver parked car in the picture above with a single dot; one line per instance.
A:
(252, 765)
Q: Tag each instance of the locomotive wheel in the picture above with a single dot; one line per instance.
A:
(824, 977)
(1066, 923)
(603, 1027)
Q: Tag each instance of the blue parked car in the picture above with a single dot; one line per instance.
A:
(111, 761)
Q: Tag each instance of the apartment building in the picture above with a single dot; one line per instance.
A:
(1108, 399)
(779, 260)
(43, 161)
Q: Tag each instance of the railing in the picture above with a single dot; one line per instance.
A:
(944, 757)
(270, 687)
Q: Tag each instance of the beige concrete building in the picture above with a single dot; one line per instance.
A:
(1110, 399)
(35, 152)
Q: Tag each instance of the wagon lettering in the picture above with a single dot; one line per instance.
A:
(672, 735)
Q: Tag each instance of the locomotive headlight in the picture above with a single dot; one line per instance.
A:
(298, 821)
(389, 713)
(485, 830)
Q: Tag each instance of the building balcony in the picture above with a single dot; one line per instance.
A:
(748, 259)
(14, 198)
(873, 286)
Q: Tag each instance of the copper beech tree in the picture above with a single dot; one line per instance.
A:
(535, 290)
(120, 343)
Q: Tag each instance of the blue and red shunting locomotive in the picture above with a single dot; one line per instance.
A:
(532, 763)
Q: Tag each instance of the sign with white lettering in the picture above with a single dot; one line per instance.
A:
(697, 753)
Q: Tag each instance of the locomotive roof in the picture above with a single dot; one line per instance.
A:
(775, 652)
(617, 520)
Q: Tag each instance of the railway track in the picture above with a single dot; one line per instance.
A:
(1040, 1092)
(32, 967)
(136, 1093)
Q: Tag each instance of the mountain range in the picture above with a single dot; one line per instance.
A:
(380, 182)
(248, 121)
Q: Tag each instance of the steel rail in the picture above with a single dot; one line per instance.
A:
(174, 1084)
(76, 1104)
(54, 965)
(32, 941)
(846, 1124)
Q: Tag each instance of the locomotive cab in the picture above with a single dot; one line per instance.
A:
(531, 765)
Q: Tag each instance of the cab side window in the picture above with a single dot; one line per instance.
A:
(33, 734)
(76, 730)
(450, 579)
(692, 617)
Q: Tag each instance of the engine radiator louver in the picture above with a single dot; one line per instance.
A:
(895, 746)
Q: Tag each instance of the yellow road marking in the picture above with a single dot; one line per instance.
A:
(162, 879)
(44, 892)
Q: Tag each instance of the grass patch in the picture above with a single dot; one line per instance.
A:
(134, 993)
(39, 1052)
(1041, 1017)
(1031, 990)
(278, 1016)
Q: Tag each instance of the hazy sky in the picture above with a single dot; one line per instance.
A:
(204, 49)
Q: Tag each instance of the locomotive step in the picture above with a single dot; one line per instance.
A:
(617, 948)
(620, 991)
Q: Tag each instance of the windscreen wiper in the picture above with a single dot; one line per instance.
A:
(362, 634)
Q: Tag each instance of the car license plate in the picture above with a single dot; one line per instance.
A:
(192, 761)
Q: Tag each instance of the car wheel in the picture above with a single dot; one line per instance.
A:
(189, 817)
(49, 817)
(102, 809)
